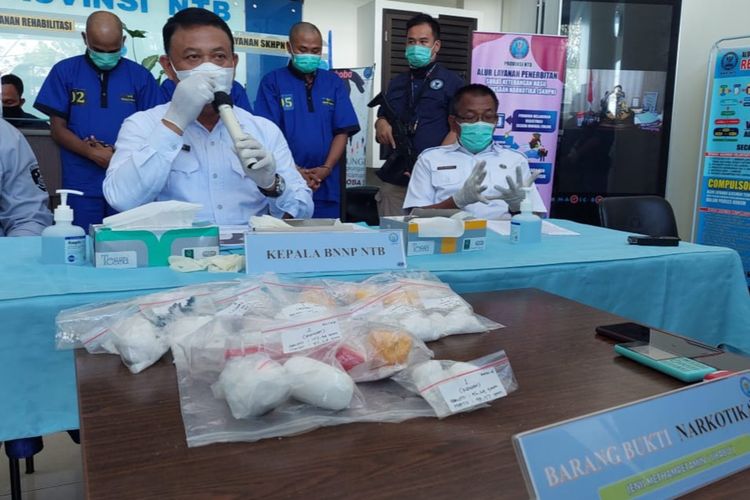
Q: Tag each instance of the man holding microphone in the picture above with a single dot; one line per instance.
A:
(183, 151)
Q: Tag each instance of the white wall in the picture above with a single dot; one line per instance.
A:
(701, 25)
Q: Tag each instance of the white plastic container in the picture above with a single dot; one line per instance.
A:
(526, 227)
(64, 243)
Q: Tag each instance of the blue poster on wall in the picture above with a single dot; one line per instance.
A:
(724, 202)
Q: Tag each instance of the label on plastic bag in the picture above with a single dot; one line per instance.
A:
(472, 389)
(398, 310)
(303, 310)
(442, 303)
(243, 305)
(311, 335)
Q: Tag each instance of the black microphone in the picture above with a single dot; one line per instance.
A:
(223, 105)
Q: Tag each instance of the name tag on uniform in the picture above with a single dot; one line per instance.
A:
(186, 147)
(447, 167)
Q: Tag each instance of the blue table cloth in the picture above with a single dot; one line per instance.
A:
(693, 290)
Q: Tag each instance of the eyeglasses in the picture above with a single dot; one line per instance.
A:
(471, 118)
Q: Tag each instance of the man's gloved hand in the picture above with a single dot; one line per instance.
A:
(189, 98)
(263, 171)
(471, 191)
(514, 194)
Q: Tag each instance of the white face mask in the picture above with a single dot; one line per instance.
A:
(224, 79)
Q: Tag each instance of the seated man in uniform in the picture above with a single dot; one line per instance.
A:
(23, 197)
(183, 151)
(473, 174)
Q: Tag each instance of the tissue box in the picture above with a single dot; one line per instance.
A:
(473, 239)
(151, 247)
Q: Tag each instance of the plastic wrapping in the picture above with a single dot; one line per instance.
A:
(252, 385)
(267, 357)
(301, 301)
(209, 420)
(455, 387)
(247, 298)
(130, 334)
(74, 323)
(142, 333)
(374, 351)
(420, 304)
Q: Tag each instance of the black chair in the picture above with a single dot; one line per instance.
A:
(17, 449)
(360, 205)
(649, 215)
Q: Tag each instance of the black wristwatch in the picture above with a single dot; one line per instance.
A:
(276, 190)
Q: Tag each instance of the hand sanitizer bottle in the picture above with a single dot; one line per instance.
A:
(526, 227)
(64, 243)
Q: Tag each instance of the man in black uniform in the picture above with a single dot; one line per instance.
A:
(13, 101)
(420, 99)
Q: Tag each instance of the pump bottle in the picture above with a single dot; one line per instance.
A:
(526, 227)
(64, 243)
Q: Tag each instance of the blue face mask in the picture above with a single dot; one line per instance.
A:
(105, 61)
(476, 136)
(306, 63)
(418, 56)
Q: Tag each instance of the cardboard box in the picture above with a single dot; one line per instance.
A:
(473, 238)
(151, 247)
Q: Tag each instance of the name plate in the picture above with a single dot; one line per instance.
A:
(659, 447)
(289, 252)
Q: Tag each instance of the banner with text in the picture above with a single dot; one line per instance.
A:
(526, 72)
(723, 216)
(359, 83)
(660, 447)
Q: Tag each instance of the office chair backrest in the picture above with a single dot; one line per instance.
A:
(649, 215)
(361, 205)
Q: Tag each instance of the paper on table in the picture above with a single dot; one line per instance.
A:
(503, 227)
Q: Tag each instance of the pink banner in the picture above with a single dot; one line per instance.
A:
(526, 72)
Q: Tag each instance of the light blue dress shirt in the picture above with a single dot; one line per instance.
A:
(153, 163)
(23, 197)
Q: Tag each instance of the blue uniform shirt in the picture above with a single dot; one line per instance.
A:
(431, 112)
(94, 102)
(238, 94)
(309, 118)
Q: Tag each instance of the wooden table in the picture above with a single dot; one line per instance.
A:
(134, 441)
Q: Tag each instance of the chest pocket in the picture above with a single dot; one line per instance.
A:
(447, 177)
(184, 165)
(236, 166)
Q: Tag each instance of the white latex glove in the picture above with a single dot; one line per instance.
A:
(263, 171)
(224, 263)
(514, 194)
(189, 98)
(471, 191)
(185, 264)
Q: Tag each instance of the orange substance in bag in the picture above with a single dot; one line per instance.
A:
(393, 347)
